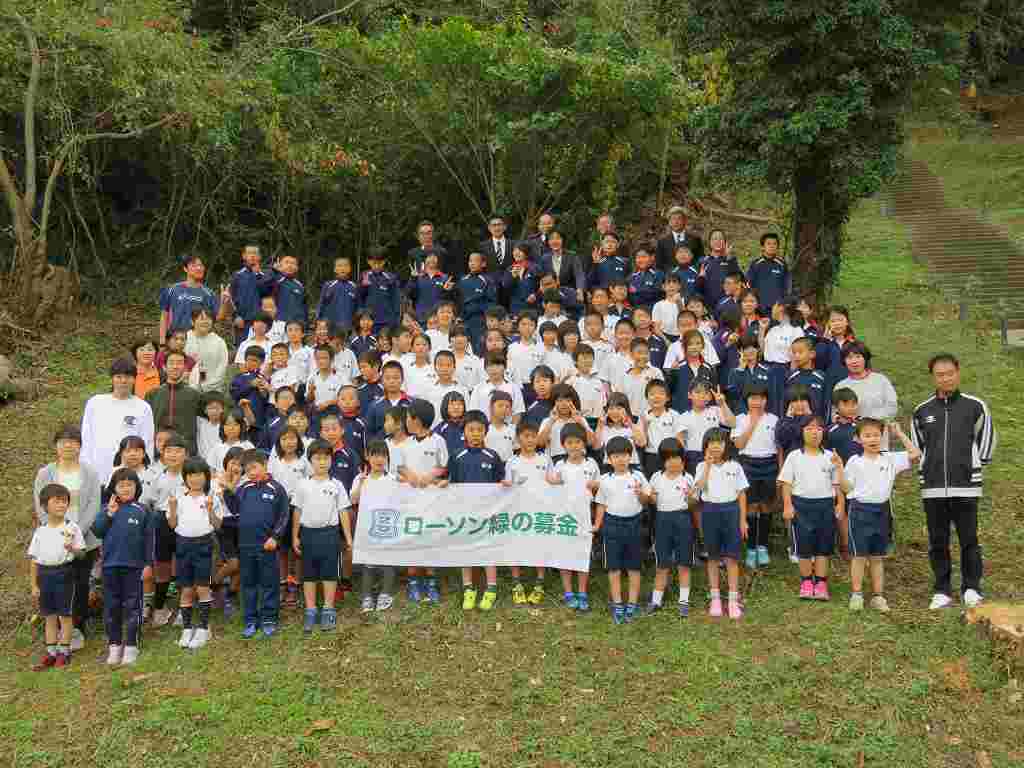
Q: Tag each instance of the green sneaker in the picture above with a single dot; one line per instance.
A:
(518, 595)
(487, 601)
(468, 599)
(536, 594)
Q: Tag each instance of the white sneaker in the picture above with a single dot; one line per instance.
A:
(115, 655)
(131, 654)
(856, 602)
(880, 604)
(186, 638)
(972, 599)
(178, 621)
(792, 557)
(940, 601)
(199, 638)
(384, 602)
(77, 639)
(161, 617)
(368, 605)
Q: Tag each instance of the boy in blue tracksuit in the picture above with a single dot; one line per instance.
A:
(768, 276)
(476, 293)
(127, 531)
(380, 293)
(289, 292)
(611, 267)
(714, 268)
(748, 372)
(808, 376)
(647, 284)
(429, 288)
(261, 505)
(247, 286)
(522, 282)
(339, 297)
(685, 271)
(252, 387)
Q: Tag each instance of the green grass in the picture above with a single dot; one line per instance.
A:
(793, 684)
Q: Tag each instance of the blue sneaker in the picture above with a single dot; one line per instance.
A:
(570, 601)
(309, 620)
(249, 632)
(762, 556)
(751, 557)
(684, 609)
(582, 602)
(269, 630)
(630, 612)
(412, 591)
(618, 613)
(433, 593)
(329, 620)
(652, 608)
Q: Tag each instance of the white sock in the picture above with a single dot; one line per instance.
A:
(734, 596)
(684, 594)
(656, 596)
(716, 594)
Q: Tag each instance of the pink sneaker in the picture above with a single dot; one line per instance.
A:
(806, 589)
(821, 591)
(735, 612)
(716, 607)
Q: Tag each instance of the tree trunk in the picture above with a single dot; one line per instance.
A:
(818, 222)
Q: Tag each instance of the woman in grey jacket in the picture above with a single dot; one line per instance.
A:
(84, 484)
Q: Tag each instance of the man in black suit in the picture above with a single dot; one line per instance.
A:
(677, 235)
(538, 241)
(497, 249)
(566, 266)
(417, 255)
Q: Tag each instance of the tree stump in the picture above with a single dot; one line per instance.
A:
(1003, 623)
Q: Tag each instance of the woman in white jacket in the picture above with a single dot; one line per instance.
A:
(876, 396)
(209, 351)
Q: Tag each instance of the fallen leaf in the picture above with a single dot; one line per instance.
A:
(586, 690)
(319, 725)
(534, 681)
(497, 627)
(535, 612)
(982, 760)
(138, 678)
(954, 741)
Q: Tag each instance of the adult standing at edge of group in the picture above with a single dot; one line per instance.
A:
(418, 255)
(676, 237)
(955, 434)
(175, 404)
(112, 416)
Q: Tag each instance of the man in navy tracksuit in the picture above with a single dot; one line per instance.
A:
(261, 505)
(768, 274)
(647, 284)
(248, 285)
(956, 437)
(380, 293)
(429, 288)
(339, 298)
(289, 292)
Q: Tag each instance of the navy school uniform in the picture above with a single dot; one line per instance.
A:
(688, 279)
(426, 292)
(355, 435)
(537, 411)
(360, 345)
(658, 348)
(728, 354)
(128, 547)
(476, 465)
(740, 378)
(770, 279)
(816, 384)
(519, 290)
(181, 298)
(614, 268)
(646, 288)
(247, 287)
(840, 438)
(344, 466)
(453, 436)
(684, 375)
(571, 306)
(814, 528)
(789, 434)
(476, 294)
(242, 388)
(368, 394)
(276, 423)
(620, 313)
(726, 304)
(375, 416)
(380, 294)
(290, 295)
(715, 270)
(338, 302)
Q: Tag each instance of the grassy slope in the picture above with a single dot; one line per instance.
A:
(793, 684)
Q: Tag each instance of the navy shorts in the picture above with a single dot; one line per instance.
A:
(762, 475)
(227, 537)
(56, 590)
(814, 528)
(623, 543)
(721, 523)
(869, 529)
(166, 544)
(673, 539)
(320, 550)
(194, 563)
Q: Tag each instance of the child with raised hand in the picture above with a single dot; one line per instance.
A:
(618, 422)
(477, 464)
(565, 412)
(170, 482)
(527, 468)
(54, 545)
(192, 516)
(581, 475)
(383, 577)
(674, 526)
(867, 483)
(261, 505)
(226, 576)
(289, 466)
(754, 435)
(322, 512)
(722, 486)
(126, 529)
(620, 499)
(809, 480)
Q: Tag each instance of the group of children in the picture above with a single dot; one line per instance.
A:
(680, 409)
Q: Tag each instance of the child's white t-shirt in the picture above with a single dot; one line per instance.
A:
(634, 387)
(396, 455)
(420, 380)
(438, 341)
(676, 355)
(207, 440)
(593, 392)
(608, 431)
(345, 366)
(219, 451)
(289, 473)
(284, 377)
(669, 424)
(47, 545)
(618, 493)
(320, 502)
(725, 482)
(697, 423)
(502, 440)
(522, 359)
(873, 479)
(811, 476)
(437, 394)
(761, 444)
(575, 478)
(325, 388)
(666, 315)
(423, 456)
(469, 371)
(554, 425)
(673, 492)
(528, 470)
(193, 519)
(777, 343)
(266, 344)
(480, 400)
(302, 360)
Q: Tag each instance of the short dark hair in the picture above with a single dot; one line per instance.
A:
(655, 384)
(196, 466)
(53, 491)
(570, 431)
(552, 296)
(254, 351)
(474, 417)
(131, 441)
(866, 422)
(582, 349)
(234, 453)
(857, 348)
(943, 357)
(123, 366)
(299, 447)
(769, 236)
(719, 435)
(844, 395)
(253, 456)
(755, 388)
(565, 392)
(544, 371)
(444, 353)
(174, 440)
(423, 411)
(200, 311)
(668, 448)
(527, 314)
(236, 415)
(495, 358)
(618, 446)
(377, 448)
(323, 348)
(120, 475)
(625, 321)
(496, 311)
(263, 317)
(393, 365)
(68, 432)
(526, 426)
(319, 448)
(500, 394)
(279, 345)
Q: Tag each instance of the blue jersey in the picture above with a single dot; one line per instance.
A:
(725, 305)
(769, 278)
(688, 277)
(476, 294)
(276, 422)
(614, 268)
(368, 393)
(247, 287)
(841, 439)
(815, 383)
(290, 295)
(426, 292)
(538, 411)
(684, 376)
(738, 381)
(338, 300)
(380, 294)
(375, 416)
(715, 269)
(355, 435)
(128, 537)
(476, 465)
(360, 345)
(658, 349)
(262, 510)
(646, 288)
(789, 433)
(344, 466)
(180, 299)
(521, 289)
(243, 388)
(453, 436)
(571, 306)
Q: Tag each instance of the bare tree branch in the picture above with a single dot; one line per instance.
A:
(65, 150)
(30, 113)
(322, 17)
(10, 189)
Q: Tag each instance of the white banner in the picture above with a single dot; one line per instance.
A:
(474, 524)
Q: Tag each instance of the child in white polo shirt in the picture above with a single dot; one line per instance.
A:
(674, 528)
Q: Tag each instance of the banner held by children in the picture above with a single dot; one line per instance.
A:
(469, 525)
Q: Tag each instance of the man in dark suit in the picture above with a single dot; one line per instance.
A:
(417, 255)
(566, 266)
(538, 241)
(677, 235)
(497, 249)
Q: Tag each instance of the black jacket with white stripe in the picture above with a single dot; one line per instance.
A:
(956, 439)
